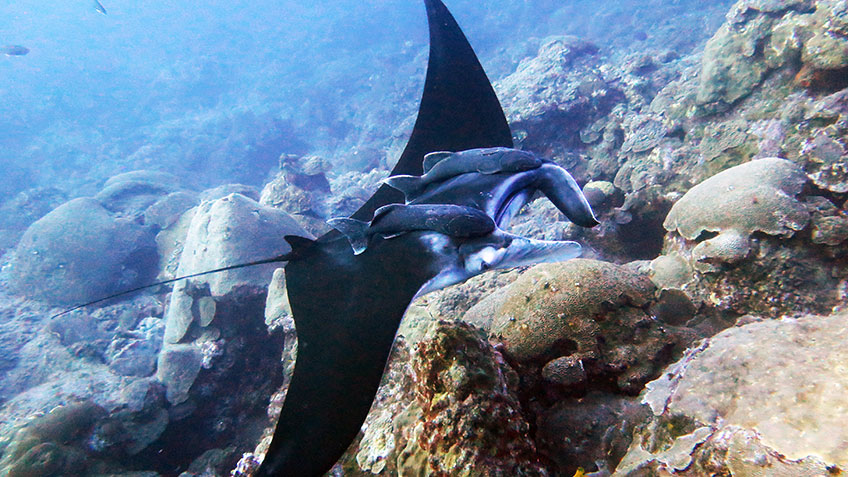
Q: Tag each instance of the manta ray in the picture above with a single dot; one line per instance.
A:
(421, 231)
(439, 219)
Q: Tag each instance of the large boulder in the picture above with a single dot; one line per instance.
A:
(89, 248)
(224, 232)
(764, 398)
(129, 194)
(215, 336)
(79, 252)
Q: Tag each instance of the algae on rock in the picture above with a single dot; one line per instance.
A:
(447, 408)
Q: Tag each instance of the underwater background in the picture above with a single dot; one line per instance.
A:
(699, 334)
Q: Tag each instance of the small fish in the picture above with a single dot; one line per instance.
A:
(99, 7)
(14, 50)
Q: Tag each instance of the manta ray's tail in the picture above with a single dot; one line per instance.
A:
(281, 258)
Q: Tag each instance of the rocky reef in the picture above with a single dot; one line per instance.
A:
(447, 408)
(761, 397)
(735, 243)
(718, 179)
(90, 247)
(699, 335)
(152, 366)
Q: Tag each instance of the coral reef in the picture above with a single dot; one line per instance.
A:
(760, 37)
(52, 444)
(556, 93)
(303, 189)
(446, 408)
(758, 196)
(748, 240)
(766, 233)
(720, 166)
(759, 398)
(583, 342)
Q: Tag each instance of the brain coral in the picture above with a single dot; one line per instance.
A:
(757, 196)
(560, 309)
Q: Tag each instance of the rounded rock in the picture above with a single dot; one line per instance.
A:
(79, 252)
(551, 308)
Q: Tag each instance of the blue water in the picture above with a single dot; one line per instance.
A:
(299, 78)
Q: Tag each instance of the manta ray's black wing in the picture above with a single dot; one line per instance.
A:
(347, 307)
(459, 109)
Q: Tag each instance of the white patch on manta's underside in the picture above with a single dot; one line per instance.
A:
(442, 245)
(482, 260)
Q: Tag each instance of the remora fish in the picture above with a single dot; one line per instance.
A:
(14, 50)
(507, 176)
(439, 166)
(394, 220)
